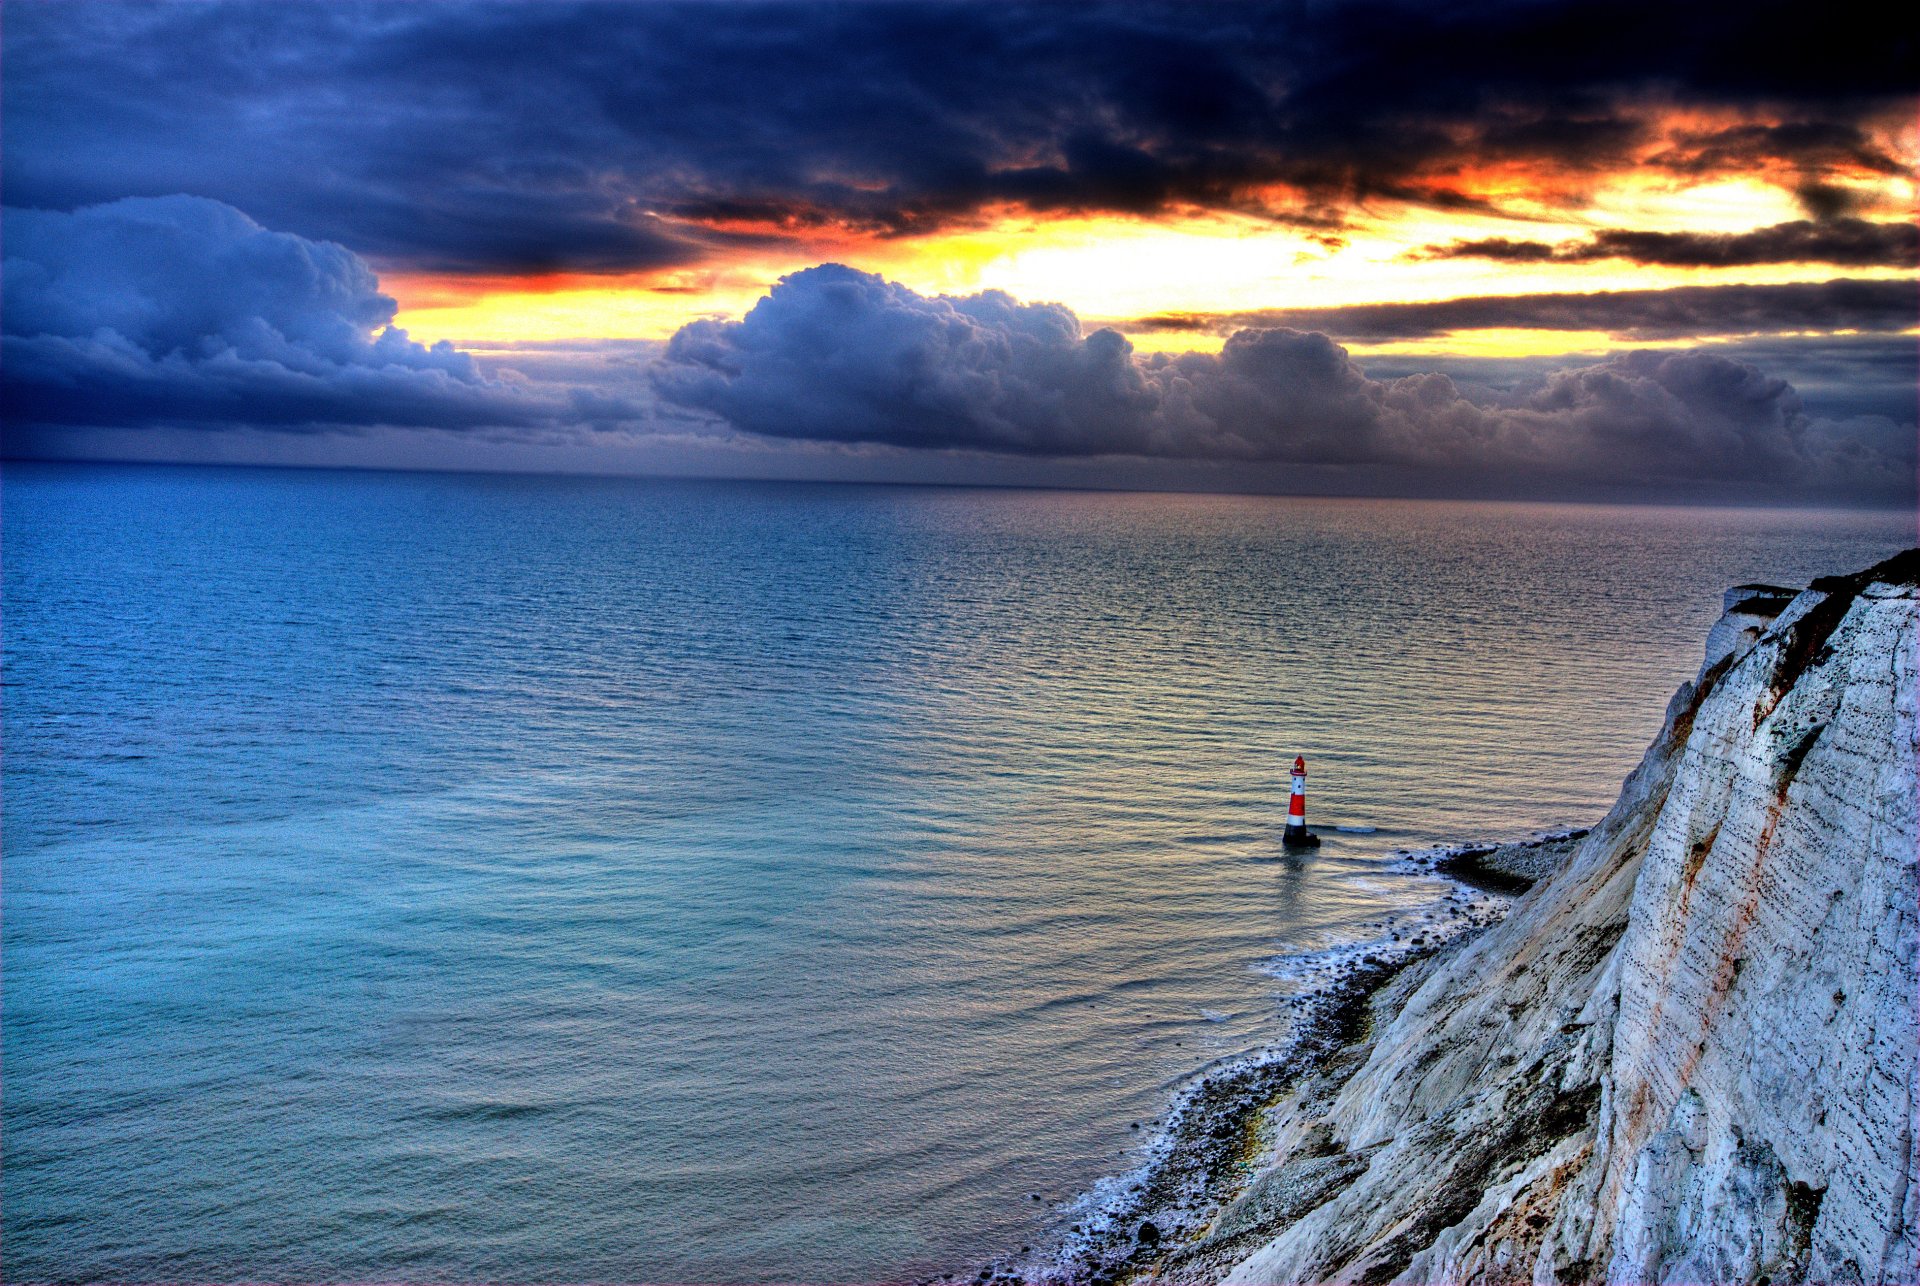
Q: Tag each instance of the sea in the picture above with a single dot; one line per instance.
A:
(435, 877)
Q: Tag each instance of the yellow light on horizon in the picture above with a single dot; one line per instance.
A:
(1112, 266)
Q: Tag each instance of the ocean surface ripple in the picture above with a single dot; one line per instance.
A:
(456, 877)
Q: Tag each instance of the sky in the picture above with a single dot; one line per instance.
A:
(1544, 248)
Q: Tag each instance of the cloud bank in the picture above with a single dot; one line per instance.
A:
(1853, 243)
(833, 354)
(1676, 312)
(179, 310)
(505, 137)
(184, 315)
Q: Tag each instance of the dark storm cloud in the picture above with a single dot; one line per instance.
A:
(1674, 313)
(179, 310)
(1853, 243)
(1810, 145)
(836, 355)
(505, 137)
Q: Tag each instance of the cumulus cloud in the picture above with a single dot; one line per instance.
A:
(1854, 243)
(839, 355)
(180, 310)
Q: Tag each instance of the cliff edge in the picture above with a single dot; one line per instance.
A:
(1689, 1054)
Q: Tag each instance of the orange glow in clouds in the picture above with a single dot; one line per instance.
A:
(1119, 267)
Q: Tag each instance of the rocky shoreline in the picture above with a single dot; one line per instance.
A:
(1685, 1050)
(1687, 1055)
(1150, 1222)
(1512, 867)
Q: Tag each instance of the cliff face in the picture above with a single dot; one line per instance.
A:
(1688, 1056)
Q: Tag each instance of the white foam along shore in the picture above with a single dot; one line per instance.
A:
(1195, 1160)
(1684, 1052)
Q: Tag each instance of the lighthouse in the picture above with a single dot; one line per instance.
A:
(1298, 836)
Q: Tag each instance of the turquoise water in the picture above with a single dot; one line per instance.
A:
(425, 877)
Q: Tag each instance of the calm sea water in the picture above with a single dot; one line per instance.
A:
(435, 877)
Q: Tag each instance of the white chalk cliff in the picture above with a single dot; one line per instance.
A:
(1689, 1055)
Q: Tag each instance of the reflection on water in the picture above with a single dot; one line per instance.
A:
(546, 879)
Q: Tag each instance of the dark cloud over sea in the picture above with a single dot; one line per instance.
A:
(834, 354)
(1675, 312)
(184, 311)
(506, 137)
(1854, 243)
(182, 314)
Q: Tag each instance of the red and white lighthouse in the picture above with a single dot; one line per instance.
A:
(1298, 836)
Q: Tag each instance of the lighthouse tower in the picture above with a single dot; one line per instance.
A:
(1298, 836)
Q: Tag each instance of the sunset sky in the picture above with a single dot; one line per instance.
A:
(1590, 248)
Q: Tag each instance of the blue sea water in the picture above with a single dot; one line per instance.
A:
(432, 877)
